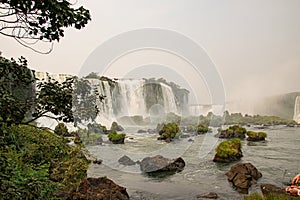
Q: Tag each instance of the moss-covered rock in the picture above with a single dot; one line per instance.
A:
(228, 151)
(233, 132)
(168, 132)
(116, 138)
(199, 129)
(256, 136)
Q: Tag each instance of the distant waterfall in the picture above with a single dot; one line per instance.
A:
(131, 97)
(297, 110)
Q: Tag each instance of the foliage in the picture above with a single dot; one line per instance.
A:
(91, 138)
(61, 129)
(238, 118)
(256, 135)
(20, 104)
(85, 101)
(229, 148)
(114, 136)
(15, 77)
(56, 98)
(25, 163)
(46, 20)
(97, 128)
(199, 129)
(169, 131)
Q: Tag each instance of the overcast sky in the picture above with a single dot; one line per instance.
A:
(255, 44)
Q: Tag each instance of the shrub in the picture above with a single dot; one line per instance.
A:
(25, 163)
(113, 136)
(202, 129)
(169, 131)
(254, 136)
(61, 129)
(229, 148)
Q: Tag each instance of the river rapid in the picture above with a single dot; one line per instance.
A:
(277, 158)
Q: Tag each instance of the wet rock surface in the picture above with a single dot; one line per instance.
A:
(242, 176)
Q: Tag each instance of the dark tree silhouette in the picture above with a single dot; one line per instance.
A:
(40, 20)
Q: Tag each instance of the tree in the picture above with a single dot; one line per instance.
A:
(32, 21)
(85, 101)
(21, 104)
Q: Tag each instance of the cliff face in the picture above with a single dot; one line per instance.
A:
(279, 105)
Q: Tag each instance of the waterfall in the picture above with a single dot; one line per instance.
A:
(297, 110)
(131, 97)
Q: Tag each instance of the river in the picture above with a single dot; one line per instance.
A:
(277, 158)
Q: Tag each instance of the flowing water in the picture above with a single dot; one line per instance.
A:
(278, 158)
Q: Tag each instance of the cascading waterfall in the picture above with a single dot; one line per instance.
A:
(297, 110)
(131, 97)
(169, 99)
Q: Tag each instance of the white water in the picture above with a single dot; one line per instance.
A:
(297, 110)
(127, 97)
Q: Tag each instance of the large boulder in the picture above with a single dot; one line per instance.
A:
(242, 176)
(125, 160)
(161, 164)
(99, 188)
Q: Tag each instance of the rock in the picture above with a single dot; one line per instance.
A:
(125, 160)
(185, 136)
(116, 138)
(210, 195)
(116, 127)
(242, 176)
(152, 131)
(233, 132)
(99, 141)
(160, 164)
(99, 188)
(142, 131)
(228, 151)
(271, 189)
(190, 140)
(96, 161)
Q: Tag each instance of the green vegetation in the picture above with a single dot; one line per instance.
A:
(45, 20)
(168, 131)
(256, 136)
(229, 148)
(92, 138)
(258, 196)
(234, 119)
(33, 163)
(238, 118)
(199, 129)
(116, 138)
(233, 132)
(236, 129)
(61, 130)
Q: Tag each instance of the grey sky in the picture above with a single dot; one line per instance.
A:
(255, 44)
